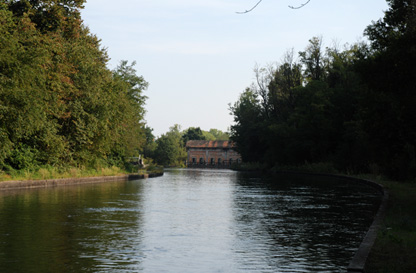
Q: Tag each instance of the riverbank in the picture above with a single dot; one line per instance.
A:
(394, 250)
(43, 183)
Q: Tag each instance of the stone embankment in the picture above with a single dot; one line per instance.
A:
(29, 184)
(359, 260)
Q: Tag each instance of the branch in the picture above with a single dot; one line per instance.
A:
(292, 7)
(247, 11)
(301, 6)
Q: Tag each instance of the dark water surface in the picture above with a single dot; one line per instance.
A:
(187, 221)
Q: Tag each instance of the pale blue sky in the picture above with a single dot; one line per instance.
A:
(199, 55)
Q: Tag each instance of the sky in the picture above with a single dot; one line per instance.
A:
(198, 55)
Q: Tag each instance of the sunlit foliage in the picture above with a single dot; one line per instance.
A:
(60, 105)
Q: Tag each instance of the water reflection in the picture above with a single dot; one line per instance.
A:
(302, 224)
(86, 228)
(186, 221)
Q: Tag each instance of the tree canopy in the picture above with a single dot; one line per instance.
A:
(59, 103)
(350, 108)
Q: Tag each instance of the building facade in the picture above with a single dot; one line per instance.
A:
(214, 154)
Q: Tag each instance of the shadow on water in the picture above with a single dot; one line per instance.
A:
(187, 221)
(310, 223)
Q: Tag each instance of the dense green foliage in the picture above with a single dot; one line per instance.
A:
(215, 134)
(170, 150)
(352, 108)
(192, 133)
(59, 103)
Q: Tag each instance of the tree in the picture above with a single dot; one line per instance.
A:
(398, 25)
(300, 121)
(192, 133)
(389, 117)
(353, 108)
(128, 110)
(313, 60)
(27, 106)
(208, 136)
(264, 76)
(135, 84)
(247, 130)
(219, 135)
(170, 150)
(59, 16)
(150, 146)
(59, 103)
(281, 87)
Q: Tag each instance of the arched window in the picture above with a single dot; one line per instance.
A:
(212, 161)
(230, 161)
(219, 161)
(193, 160)
(201, 161)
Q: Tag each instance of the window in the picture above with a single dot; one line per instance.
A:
(212, 161)
(201, 161)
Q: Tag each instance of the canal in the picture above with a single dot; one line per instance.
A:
(188, 220)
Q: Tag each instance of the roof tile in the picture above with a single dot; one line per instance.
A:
(210, 144)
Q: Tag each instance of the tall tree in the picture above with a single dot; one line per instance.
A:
(313, 60)
(281, 87)
(389, 116)
(247, 130)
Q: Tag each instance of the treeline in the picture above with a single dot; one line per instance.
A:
(59, 103)
(170, 148)
(351, 108)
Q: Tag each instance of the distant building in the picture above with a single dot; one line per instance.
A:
(214, 154)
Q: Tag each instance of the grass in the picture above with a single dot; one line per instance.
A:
(395, 246)
(56, 173)
(49, 172)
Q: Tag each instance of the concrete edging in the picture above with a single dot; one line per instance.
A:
(44, 183)
(359, 260)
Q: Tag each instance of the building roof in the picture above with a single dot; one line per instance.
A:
(210, 144)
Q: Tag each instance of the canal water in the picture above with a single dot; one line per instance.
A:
(187, 221)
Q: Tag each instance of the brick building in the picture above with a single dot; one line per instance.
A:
(204, 153)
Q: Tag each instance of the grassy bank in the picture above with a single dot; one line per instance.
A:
(395, 246)
(57, 173)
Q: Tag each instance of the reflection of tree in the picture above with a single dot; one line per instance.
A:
(69, 229)
(292, 7)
